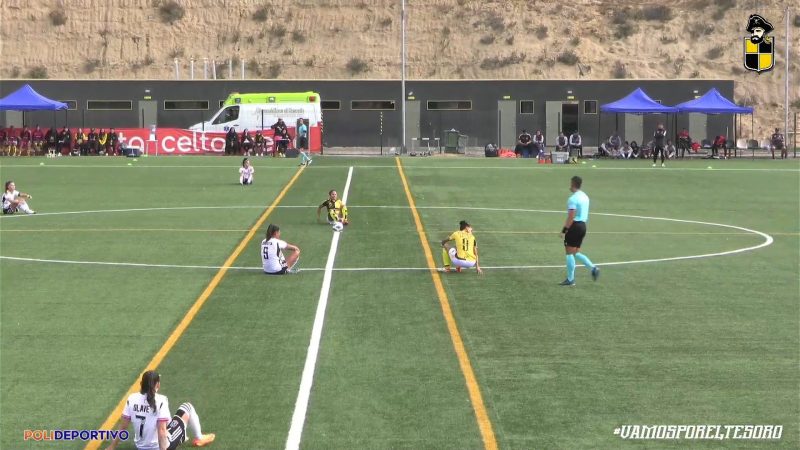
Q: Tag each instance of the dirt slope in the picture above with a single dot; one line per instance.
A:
(593, 39)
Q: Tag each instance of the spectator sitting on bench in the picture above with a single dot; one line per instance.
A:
(562, 143)
(626, 151)
(684, 142)
(719, 143)
(538, 143)
(647, 149)
(777, 142)
(604, 150)
(615, 143)
(635, 149)
(576, 144)
(670, 150)
(524, 146)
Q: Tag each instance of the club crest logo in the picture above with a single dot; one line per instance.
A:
(759, 49)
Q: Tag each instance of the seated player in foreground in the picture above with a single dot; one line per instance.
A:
(465, 253)
(272, 258)
(14, 200)
(575, 230)
(152, 426)
(246, 172)
(337, 210)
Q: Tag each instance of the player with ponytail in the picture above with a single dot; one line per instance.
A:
(154, 429)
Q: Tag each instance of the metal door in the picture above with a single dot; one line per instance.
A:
(552, 117)
(698, 127)
(148, 113)
(13, 118)
(634, 128)
(412, 122)
(506, 123)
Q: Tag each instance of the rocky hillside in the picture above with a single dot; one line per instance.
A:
(530, 39)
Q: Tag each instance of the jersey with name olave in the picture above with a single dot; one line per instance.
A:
(9, 197)
(579, 201)
(145, 420)
(272, 255)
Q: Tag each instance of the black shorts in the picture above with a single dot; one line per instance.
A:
(575, 234)
(280, 272)
(10, 210)
(176, 431)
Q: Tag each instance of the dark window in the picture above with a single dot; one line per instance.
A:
(526, 106)
(331, 104)
(452, 105)
(109, 104)
(590, 106)
(71, 104)
(222, 103)
(372, 104)
(185, 104)
(229, 114)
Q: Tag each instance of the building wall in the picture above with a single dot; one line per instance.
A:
(347, 128)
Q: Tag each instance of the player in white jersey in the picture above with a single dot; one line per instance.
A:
(14, 200)
(153, 427)
(246, 172)
(272, 253)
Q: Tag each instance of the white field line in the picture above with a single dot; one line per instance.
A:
(307, 379)
(382, 166)
(767, 241)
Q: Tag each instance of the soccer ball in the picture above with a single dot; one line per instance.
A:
(337, 226)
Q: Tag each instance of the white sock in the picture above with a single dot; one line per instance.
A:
(194, 420)
(24, 208)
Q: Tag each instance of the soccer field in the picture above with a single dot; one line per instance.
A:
(694, 320)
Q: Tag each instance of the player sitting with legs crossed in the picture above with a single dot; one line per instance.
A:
(272, 258)
(465, 253)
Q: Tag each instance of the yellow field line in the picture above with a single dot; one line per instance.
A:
(484, 424)
(190, 315)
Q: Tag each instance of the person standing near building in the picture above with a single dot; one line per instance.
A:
(302, 135)
(659, 138)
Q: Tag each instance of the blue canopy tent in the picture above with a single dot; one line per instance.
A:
(637, 102)
(27, 99)
(712, 102)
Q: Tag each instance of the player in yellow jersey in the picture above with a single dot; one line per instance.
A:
(337, 210)
(465, 253)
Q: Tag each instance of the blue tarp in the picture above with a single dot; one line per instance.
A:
(26, 99)
(712, 102)
(637, 102)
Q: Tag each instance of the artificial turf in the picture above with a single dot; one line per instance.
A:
(712, 340)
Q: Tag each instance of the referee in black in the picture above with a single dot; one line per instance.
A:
(658, 143)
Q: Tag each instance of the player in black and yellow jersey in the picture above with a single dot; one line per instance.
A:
(465, 253)
(337, 210)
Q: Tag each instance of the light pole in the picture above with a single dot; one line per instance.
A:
(403, 74)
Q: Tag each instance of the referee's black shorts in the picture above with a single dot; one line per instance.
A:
(575, 234)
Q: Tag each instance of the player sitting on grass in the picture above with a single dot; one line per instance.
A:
(465, 253)
(153, 428)
(272, 259)
(337, 210)
(246, 172)
(14, 200)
